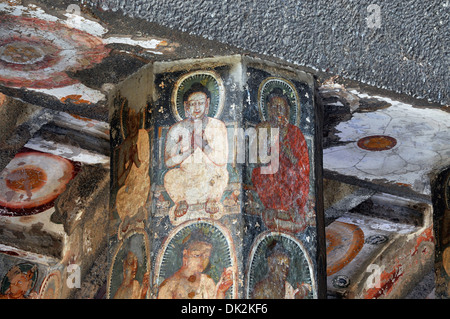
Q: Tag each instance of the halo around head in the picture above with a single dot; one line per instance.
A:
(283, 88)
(211, 80)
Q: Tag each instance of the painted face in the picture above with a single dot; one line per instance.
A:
(19, 284)
(197, 256)
(279, 265)
(133, 123)
(196, 105)
(278, 111)
(130, 266)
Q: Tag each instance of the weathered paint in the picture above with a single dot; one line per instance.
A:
(197, 178)
(344, 242)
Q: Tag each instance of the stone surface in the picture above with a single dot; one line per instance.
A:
(372, 256)
(398, 146)
(403, 48)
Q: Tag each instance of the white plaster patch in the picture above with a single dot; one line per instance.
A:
(78, 22)
(31, 11)
(88, 94)
(377, 224)
(148, 44)
(422, 136)
(71, 152)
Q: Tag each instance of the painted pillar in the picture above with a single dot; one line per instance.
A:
(441, 222)
(130, 199)
(234, 199)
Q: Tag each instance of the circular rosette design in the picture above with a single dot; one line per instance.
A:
(344, 242)
(36, 54)
(32, 181)
(377, 143)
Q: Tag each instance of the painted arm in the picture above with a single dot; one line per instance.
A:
(178, 146)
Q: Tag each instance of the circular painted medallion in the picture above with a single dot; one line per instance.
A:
(206, 78)
(36, 54)
(377, 143)
(32, 181)
(341, 281)
(376, 239)
(344, 242)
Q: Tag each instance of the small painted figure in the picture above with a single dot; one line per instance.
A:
(199, 145)
(133, 171)
(284, 194)
(275, 285)
(190, 281)
(20, 284)
(130, 288)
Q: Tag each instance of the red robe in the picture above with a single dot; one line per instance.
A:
(289, 187)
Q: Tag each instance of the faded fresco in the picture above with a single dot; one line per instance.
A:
(51, 287)
(196, 262)
(129, 277)
(279, 269)
(133, 169)
(129, 274)
(280, 195)
(20, 282)
(204, 192)
(32, 181)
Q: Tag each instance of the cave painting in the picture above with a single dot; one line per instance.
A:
(196, 264)
(279, 269)
(196, 152)
(19, 282)
(344, 242)
(284, 193)
(51, 287)
(133, 171)
(37, 54)
(31, 182)
(129, 276)
(130, 288)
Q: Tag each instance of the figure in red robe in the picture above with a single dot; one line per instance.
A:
(284, 194)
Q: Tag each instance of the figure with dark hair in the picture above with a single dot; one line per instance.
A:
(275, 285)
(196, 151)
(284, 194)
(190, 281)
(20, 284)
